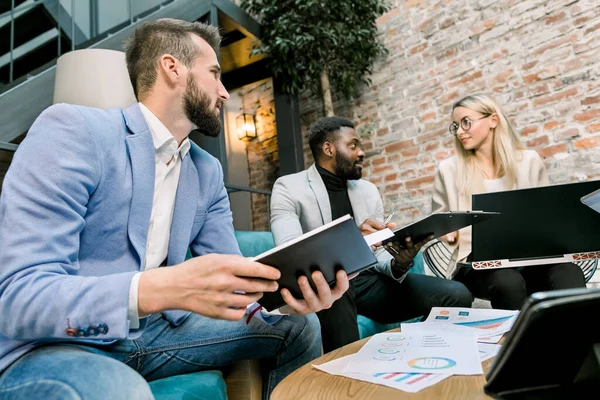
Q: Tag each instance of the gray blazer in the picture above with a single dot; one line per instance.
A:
(300, 203)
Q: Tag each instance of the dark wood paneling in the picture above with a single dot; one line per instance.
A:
(249, 74)
(289, 131)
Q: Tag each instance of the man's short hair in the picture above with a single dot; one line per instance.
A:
(323, 131)
(152, 39)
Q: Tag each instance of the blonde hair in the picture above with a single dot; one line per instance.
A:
(506, 148)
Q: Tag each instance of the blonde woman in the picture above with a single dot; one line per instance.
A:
(491, 158)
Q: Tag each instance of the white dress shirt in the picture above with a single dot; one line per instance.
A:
(167, 163)
(168, 158)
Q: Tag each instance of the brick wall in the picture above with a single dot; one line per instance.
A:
(263, 156)
(540, 59)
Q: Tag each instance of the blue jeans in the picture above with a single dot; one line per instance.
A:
(121, 370)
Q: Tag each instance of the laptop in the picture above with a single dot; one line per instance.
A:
(537, 226)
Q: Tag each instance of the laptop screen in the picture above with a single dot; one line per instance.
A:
(536, 223)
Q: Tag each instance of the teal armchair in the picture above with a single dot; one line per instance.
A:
(244, 380)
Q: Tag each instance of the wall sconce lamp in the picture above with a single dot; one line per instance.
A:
(246, 127)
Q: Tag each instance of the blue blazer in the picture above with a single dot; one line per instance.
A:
(74, 216)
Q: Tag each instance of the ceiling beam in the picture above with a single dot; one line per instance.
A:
(251, 73)
(231, 37)
(241, 17)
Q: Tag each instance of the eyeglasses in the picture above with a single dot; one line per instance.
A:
(465, 124)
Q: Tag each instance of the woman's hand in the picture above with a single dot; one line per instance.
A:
(451, 238)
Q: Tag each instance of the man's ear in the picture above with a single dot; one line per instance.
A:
(170, 69)
(328, 149)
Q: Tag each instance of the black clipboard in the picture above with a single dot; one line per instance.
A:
(334, 246)
(438, 224)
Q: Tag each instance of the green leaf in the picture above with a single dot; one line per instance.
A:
(303, 37)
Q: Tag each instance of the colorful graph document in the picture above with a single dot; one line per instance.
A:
(420, 327)
(487, 351)
(492, 323)
(408, 382)
(422, 352)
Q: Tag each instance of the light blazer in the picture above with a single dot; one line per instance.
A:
(74, 216)
(300, 203)
(446, 197)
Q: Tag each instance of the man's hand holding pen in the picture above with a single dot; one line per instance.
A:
(371, 225)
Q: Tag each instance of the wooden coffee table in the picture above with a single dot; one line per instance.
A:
(308, 383)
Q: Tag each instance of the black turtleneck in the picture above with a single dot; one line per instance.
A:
(337, 189)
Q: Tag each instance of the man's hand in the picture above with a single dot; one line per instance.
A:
(403, 257)
(314, 302)
(215, 285)
(371, 225)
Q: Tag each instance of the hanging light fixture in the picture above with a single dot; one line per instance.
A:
(246, 127)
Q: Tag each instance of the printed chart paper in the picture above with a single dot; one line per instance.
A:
(492, 323)
(422, 327)
(490, 339)
(408, 382)
(487, 351)
(424, 352)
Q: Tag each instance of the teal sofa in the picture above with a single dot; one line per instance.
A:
(244, 381)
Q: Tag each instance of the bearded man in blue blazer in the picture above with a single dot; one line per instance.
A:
(95, 201)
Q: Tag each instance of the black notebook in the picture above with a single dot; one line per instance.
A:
(437, 225)
(333, 246)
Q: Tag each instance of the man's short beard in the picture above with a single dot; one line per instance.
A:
(198, 109)
(346, 169)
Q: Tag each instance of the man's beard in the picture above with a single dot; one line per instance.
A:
(346, 169)
(199, 111)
